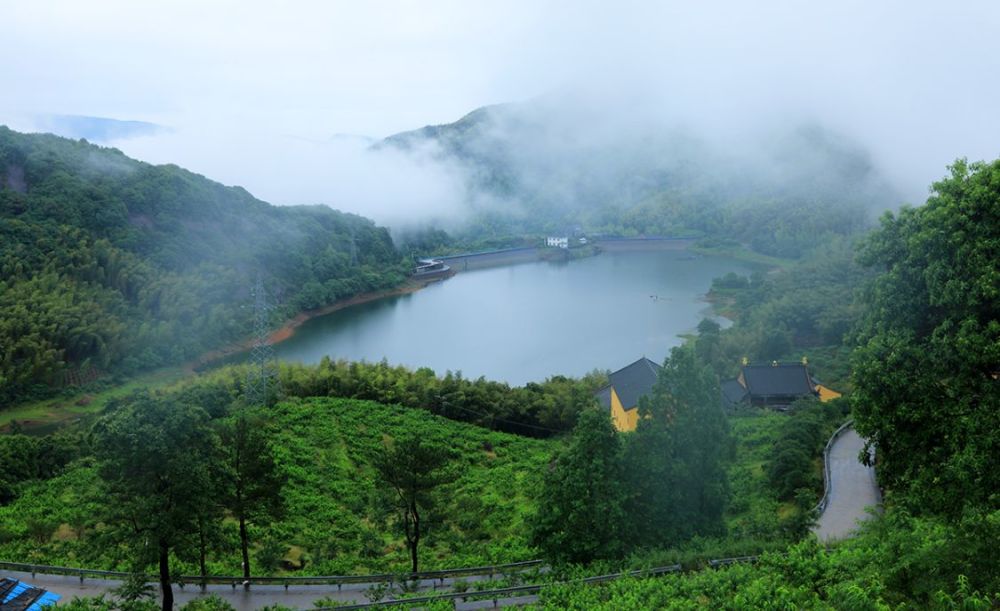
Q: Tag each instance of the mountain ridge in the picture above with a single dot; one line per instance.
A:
(116, 265)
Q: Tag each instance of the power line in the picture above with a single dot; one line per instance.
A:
(505, 421)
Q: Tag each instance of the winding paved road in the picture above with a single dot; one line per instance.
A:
(852, 489)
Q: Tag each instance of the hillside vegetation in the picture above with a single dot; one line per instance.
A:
(108, 264)
(55, 506)
(336, 521)
(924, 377)
(106, 268)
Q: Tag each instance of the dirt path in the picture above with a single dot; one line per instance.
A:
(852, 489)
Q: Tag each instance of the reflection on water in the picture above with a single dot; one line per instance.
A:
(526, 322)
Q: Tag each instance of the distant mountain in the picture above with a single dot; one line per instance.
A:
(96, 129)
(110, 264)
(545, 164)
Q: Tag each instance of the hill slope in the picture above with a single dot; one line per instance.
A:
(111, 264)
(335, 517)
(548, 163)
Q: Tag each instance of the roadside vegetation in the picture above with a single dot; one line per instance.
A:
(68, 498)
(878, 569)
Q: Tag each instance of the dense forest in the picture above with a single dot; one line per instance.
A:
(110, 265)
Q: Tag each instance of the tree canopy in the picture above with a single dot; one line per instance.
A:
(156, 460)
(582, 514)
(110, 265)
(413, 469)
(928, 360)
(675, 461)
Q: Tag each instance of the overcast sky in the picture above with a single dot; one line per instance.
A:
(253, 93)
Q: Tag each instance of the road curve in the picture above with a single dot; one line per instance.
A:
(852, 489)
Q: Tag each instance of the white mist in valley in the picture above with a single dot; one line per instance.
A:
(608, 100)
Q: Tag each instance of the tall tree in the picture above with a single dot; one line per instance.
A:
(650, 475)
(156, 458)
(253, 480)
(581, 509)
(675, 461)
(413, 468)
(690, 390)
(926, 370)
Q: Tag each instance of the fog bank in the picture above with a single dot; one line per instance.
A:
(254, 94)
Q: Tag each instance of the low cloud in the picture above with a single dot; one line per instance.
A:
(341, 171)
(254, 92)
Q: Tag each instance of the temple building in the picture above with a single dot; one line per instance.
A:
(775, 385)
(625, 387)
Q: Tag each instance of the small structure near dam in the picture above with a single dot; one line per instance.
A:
(430, 268)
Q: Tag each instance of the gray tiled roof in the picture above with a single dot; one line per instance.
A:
(733, 392)
(785, 379)
(633, 381)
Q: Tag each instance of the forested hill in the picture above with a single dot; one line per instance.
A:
(550, 163)
(109, 264)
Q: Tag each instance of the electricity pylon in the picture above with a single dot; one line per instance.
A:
(262, 378)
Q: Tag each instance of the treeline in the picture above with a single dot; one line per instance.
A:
(807, 309)
(537, 409)
(607, 495)
(26, 458)
(108, 264)
(789, 227)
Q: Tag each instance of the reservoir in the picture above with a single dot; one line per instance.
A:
(526, 322)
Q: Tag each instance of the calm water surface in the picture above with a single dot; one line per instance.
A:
(526, 322)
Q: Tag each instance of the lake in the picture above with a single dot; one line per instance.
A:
(526, 322)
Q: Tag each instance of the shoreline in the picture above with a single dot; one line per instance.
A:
(64, 409)
(287, 329)
(488, 259)
(411, 285)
